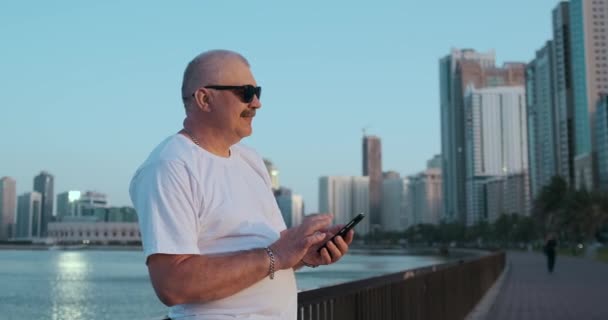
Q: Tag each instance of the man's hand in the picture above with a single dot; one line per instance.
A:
(295, 242)
(333, 251)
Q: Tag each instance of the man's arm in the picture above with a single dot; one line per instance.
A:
(179, 279)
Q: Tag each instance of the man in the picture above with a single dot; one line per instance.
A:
(214, 239)
(549, 248)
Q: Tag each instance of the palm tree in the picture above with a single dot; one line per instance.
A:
(549, 204)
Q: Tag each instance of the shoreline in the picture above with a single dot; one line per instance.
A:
(356, 250)
(44, 247)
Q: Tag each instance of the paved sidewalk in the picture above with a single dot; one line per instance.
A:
(577, 289)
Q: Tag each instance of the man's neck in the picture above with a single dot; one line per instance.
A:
(210, 140)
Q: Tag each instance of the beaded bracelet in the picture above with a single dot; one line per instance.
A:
(271, 268)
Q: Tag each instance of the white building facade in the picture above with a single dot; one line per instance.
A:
(345, 197)
(496, 143)
(94, 232)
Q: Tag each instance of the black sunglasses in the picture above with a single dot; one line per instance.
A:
(246, 92)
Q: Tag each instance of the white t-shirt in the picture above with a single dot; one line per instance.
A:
(190, 201)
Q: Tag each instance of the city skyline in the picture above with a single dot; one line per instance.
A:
(508, 131)
(88, 104)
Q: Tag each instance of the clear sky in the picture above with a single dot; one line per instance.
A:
(88, 89)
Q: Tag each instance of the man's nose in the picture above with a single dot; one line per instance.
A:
(255, 102)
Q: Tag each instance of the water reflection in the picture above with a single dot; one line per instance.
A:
(108, 285)
(69, 290)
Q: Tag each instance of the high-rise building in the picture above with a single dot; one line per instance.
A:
(457, 72)
(335, 196)
(542, 119)
(425, 200)
(434, 162)
(589, 40)
(29, 215)
(8, 207)
(372, 168)
(393, 212)
(43, 183)
(291, 206)
(297, 209)
(92, 204)
(89, 206)
(452, 129)
(601, 131)
(406, 206)
(273, 172)
(496, 141)
(563, 98)
(345, 197)
(68, 204)
(360, 203)
(391, 175)
(504, 195)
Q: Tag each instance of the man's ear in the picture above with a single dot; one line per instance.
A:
(201, 98)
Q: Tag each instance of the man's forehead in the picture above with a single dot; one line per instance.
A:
(236, 71)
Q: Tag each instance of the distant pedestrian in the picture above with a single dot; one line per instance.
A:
(549, 248)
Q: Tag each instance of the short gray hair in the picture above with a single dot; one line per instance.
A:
(206, 68)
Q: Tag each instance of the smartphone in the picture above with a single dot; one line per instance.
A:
(351, 224)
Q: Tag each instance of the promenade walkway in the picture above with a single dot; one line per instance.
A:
(577, 289)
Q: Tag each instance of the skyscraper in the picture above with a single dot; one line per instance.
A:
(360, 202)
(372, 168)
(425, 200)
(504, 195)
(43, 183)
(563, 99)
(434, 162)
(345, 197)
(8, 207)
(458, 71)
(393, 213)
(601, 131)
(68, 204)
(273, 172)
(29, 215)
(588, 35)
(406, 205)
(496, 143)
(452, 130)
(542, 117)
(291, 206)
(335, 196)
(297, 209)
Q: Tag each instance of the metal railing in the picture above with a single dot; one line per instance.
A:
(443, 292)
